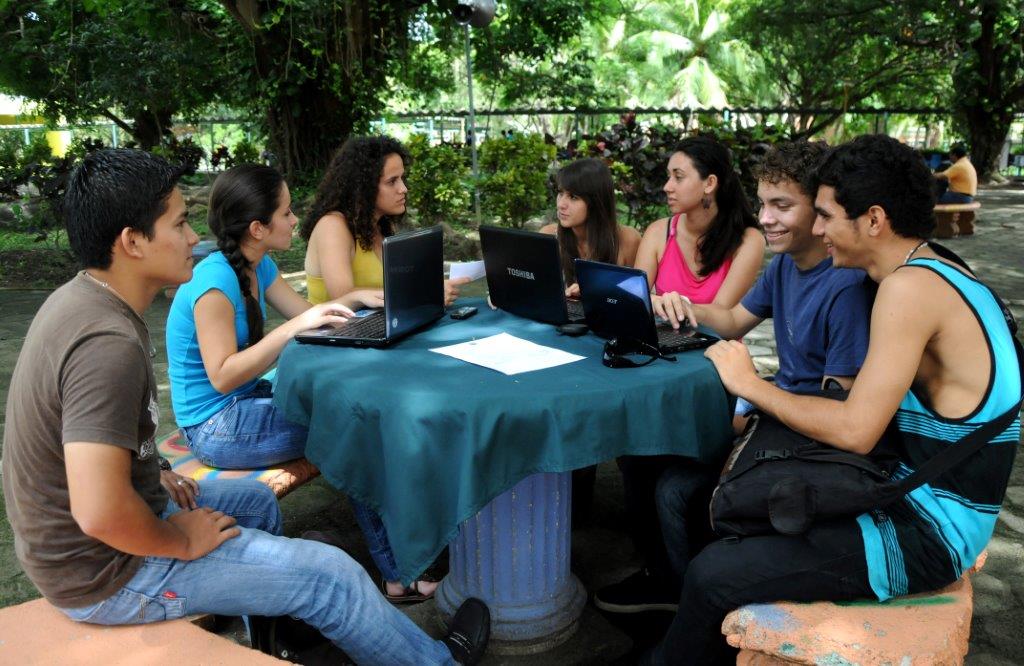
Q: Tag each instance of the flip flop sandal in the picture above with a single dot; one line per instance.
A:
(411, 594)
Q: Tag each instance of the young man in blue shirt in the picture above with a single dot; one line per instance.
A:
(821, 331)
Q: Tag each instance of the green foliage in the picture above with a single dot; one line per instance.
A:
(637, 156)
(137, 63)
(185, 152)
(514, 177)
(438, 176)
(244, 152)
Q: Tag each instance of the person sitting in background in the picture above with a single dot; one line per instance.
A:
(820, 317)
(361, 201)
(958, 183)
(94, 527)
(587, 226)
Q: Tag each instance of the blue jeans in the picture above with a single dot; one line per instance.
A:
(251, 433)
(950, 197)
(682, 497)
(263, 573)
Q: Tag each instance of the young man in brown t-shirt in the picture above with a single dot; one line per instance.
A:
(104, 534)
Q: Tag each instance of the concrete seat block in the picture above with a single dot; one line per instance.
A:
(921, 629)
(37, 633)
(957, 208)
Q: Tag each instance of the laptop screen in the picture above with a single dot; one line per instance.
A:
(524, 273)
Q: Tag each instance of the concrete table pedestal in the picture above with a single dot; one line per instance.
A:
(514, 555)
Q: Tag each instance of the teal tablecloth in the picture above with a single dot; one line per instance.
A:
(427, 440)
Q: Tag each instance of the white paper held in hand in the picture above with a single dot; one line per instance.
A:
(474, 270)
(508, 354)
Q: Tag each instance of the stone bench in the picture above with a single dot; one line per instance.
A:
(928, 628)
(955, 219)
(282, 478)
(37, 633)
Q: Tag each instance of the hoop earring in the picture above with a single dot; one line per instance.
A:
(705, 201)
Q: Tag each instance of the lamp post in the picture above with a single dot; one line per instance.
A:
(478, 14)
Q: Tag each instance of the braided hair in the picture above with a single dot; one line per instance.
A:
(350, 187)
(240, 195)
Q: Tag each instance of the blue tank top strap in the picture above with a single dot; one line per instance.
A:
(1004, 388)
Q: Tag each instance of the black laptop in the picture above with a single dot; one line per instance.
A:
(617, 303)
(524, 275)
(413, 295)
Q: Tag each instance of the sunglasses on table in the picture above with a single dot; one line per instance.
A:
(618, 352)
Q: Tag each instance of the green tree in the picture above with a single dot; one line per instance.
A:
(134, 63)
(838, 55)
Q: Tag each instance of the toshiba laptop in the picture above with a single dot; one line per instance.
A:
(617, 303)
(524, 275)
(413, 295)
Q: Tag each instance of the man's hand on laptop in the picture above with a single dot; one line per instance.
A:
(451, 289)
(573, 291)
(674, 308)
(204, 530)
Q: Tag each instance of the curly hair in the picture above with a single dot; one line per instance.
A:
(795, 161)
(877, 170)
(734, 213)
(240, 195)
(350, 187)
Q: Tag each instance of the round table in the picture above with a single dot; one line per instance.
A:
(450, 452)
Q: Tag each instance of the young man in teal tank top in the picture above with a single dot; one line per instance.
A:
(940, 360)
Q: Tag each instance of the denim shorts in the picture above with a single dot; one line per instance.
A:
(249, 432)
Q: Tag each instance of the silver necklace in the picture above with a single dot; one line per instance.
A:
(916, 248)
(152, 349)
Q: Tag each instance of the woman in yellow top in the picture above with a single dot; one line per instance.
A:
(360, 201)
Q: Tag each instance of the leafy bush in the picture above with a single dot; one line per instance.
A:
(514, 177)
(437, 177)
(185, 152)
(637, 157)
(245, 152)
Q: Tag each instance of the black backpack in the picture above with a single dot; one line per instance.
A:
(779, 481)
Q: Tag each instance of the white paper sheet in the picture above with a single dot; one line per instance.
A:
(508, 354)
(474, 270)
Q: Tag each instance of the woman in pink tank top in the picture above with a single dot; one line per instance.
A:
(710, 250)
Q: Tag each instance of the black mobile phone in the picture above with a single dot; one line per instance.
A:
(465, 312)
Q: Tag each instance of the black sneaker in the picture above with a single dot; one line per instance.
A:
(638, 593)
(469, 632)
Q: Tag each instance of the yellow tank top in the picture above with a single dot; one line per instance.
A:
(367, 273)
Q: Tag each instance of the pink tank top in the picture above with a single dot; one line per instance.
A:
(675, 275)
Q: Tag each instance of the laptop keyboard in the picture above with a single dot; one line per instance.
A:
(373, 326)
(574, 309)
(672, 340)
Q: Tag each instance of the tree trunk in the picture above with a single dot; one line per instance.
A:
(150, 127)
(306, 130)
(986, 132)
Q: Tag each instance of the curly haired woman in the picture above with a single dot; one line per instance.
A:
(360, 201)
